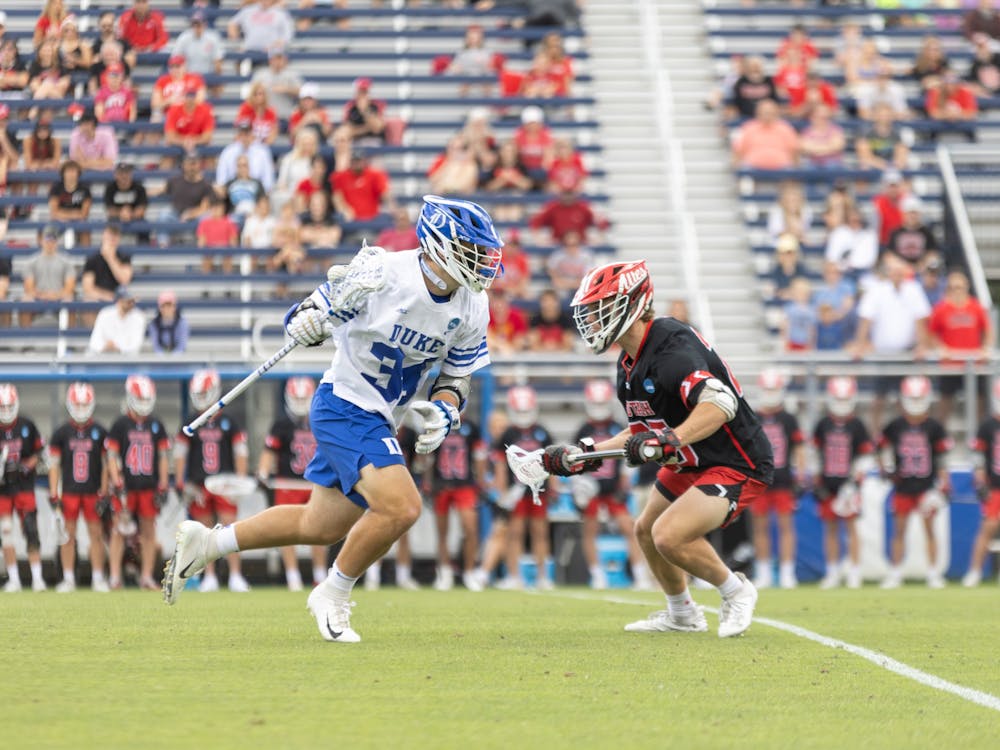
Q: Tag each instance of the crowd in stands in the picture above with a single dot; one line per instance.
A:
(295, 177)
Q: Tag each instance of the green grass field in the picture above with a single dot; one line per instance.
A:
(493, 670)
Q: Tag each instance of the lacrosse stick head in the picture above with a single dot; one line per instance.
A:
(932, 501)
(528, 470)
(847, 502)
(9, 403)
(80, 402)
(359, 278)
(460, 237)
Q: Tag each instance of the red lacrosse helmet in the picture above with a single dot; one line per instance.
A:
(772, 388)
(841, 395)
(205, 389)
(522, 406)
(140, 395)
(9, 403)
(80, 402)
(609, 300)
(915, 395)
(598, 399)
(299, 393)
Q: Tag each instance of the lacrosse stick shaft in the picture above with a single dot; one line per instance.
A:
(237, 390)
(599, 455)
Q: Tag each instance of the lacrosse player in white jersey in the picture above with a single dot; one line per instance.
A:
(431, 311)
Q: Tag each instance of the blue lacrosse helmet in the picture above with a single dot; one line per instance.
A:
(460, 237)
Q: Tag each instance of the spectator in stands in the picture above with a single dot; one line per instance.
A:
(847, 48)
(216, 230)
(566, 172)
(318, 180)
(551, 329)
(752, 87)
(892, 320)
(454, 172)
(960, 329)
(880, 145)
(258, 227)
(111, 54)
(822, 142)
(481, 141)
(47, 25)
(791, 75)
(816, 93)
(262, 117)
(951, 100)
(791, 214)
(201, 47)
(6, 271)
(189, 193)
(983, 20)
(402, 235)
(797, 43)
(70, 199)
(788, 265)
(930, 63)
(882, 91)
(319, 227)
(312, 114)
(259, 157)
(295, 166)
(125, 198)
(106, 35)
(569, 264)
(115, 102)
(865, 67)
(168, 331)
(143, 28)
(508, 327)
(569, 212)
(473, 59)
(171, 88)
(516, 277)
(119, 328)
(508, 176)
(853, 246)
(243, 190)
(75, 53)
(931, 275)
(49, 275)
(42, 150)
(767, 141)
(799, 317)
(536, 83)
(290, 257)
(10, 146)
(261, 27)
(93, 146)
(559, 65)
(13, 73)
(888, 212)
(534, 144)
(46, 77)
(984, 71)
(833, 299)
(912, 240)
(358, 192)
(281, 82)
(191, 124)
(107, 269)
(363, 116)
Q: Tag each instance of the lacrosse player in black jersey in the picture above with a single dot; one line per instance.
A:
(686, 411)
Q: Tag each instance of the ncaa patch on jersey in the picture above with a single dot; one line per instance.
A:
(648, 385)
(453, 324)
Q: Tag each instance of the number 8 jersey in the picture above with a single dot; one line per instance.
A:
(80, 452)
(387, 348)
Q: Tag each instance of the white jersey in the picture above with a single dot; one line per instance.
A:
(388, 348)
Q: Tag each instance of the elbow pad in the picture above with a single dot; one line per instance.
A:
(459, 385)
(714, 391)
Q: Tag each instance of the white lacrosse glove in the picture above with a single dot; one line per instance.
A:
(307, 324)
(433, 420)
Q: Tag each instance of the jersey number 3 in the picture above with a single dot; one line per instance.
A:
(395, 383)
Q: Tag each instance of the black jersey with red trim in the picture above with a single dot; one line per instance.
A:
(212, 449)
(139, 444)
(660, 388)
(918, 448)
(987, 442)
(22, 441)
(294, 444)
(838, 442)
(80, 452)
(609, 475)
(783, 433)
(455, 461)
(529, 438)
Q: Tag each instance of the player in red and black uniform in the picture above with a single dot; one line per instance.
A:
(20, 449)
(917, 444)
(139, 444)
(605, 488)
(986, 444)
(843, 445)
(288, 449)
(78, 480)
(687, 412)
(457, 473)
(217, 447)
(787, 447)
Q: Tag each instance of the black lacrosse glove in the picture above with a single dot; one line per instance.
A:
(555, 459)
(160, 497)
(652, 445)
(103, 506)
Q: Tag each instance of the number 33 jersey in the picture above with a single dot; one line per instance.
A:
(387, 348)
(660, 388)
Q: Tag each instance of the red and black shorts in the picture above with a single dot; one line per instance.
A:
(210, 505)
(615, 505)
(292, 497)
(459, 498)
(526, 508)
(991, 506)
(720, 481)
(774, 499)
(72, 504)
(22, 502)
(140, 503)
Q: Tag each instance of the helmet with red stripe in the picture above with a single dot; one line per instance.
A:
(772, 389)
(610, 299)
(140, 395)
(80, 402)
(9, 403)
(522, 406)
(915, 395)
(299, 392)
(598, 399)
(205, 389)
(841, 395)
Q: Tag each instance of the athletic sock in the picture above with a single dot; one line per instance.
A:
(319, 574)
(403, 572)
(36, 571)
(13, 573)
(97, 577)
(731, 586)
(787, 569)
(339, 584)
(680, 604)
(293, 577)
(69, 576)
(225, 542)
(595, 570)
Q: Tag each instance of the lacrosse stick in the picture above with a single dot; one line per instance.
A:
(233, 487)
(527, 466)
(347, 285)
(62, 535)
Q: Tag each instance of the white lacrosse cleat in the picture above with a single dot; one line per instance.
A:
(238, 584)
(190, 558)
(12, 587)
(445, 579)
(972, 579)
(65, 587)
(736, 612)
(893, 580)
(37, 584)
(474, 580)
(208, 585)
(545, 584)
(853, 576)
(598, 578)
(510, 583)
(787, 579)
(832, 578)
(333, 616)
(407, 584)
(100, 586)
(663, 622)
(935, 580)
(763, 580)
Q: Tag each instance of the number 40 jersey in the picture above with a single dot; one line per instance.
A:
(387, 348)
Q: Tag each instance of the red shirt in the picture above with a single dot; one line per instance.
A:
(394, 240)
(532, 147)
(144, 34)
(959, 327)
(562, 218)
(264, 123)
(792, 78)
(198, 121)
(515, 268)
(362, 192)
(172, 89)
(47, 27)
(960, 95)
(218, 231)
(807, 48)
(118, 105)
(561, 75)
(296, 118)
(827, 95)
(567, 174)
(512, 327)
(890, 217)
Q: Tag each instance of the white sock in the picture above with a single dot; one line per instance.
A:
(680, 604)
(97, 576)
(641, 572)
(339, 584)
(69, 576)
(403, 572)
(595, 570)
(763, 567)
(731, 586)
(293, 577)
(225, 541)
(832, 568)
(788, 569)
(36, 571)
(319, 574)
(13, 573)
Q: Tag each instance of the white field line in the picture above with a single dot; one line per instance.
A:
(986, 700)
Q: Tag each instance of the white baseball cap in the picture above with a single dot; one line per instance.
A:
(309, 91)
(532, 114)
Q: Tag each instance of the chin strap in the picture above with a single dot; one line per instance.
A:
(435, 279)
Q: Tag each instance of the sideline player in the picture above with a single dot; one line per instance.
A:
(288, 449)
(432, 310)
(217, 447)
(986, 445)
(21, 448)
(716, 460)
(78, 479)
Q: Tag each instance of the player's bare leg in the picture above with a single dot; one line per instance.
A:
(831, 551)
(290, 561)
(319, 562)
(98, 556)
(494, 550)
(404, 564)
(786, 551)
(760, 525)
(935, 579)
(987, 531)
(9, 556)
(514, 550)
(469, 521)
(640, 572)
(237, 582)
(116, 552)
(67, 557)
(598, 580)
(147, 553)
(445, 574)
(539, 530)
(895, 576)
(853, 554)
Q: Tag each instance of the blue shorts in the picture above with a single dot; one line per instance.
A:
(348, 438)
